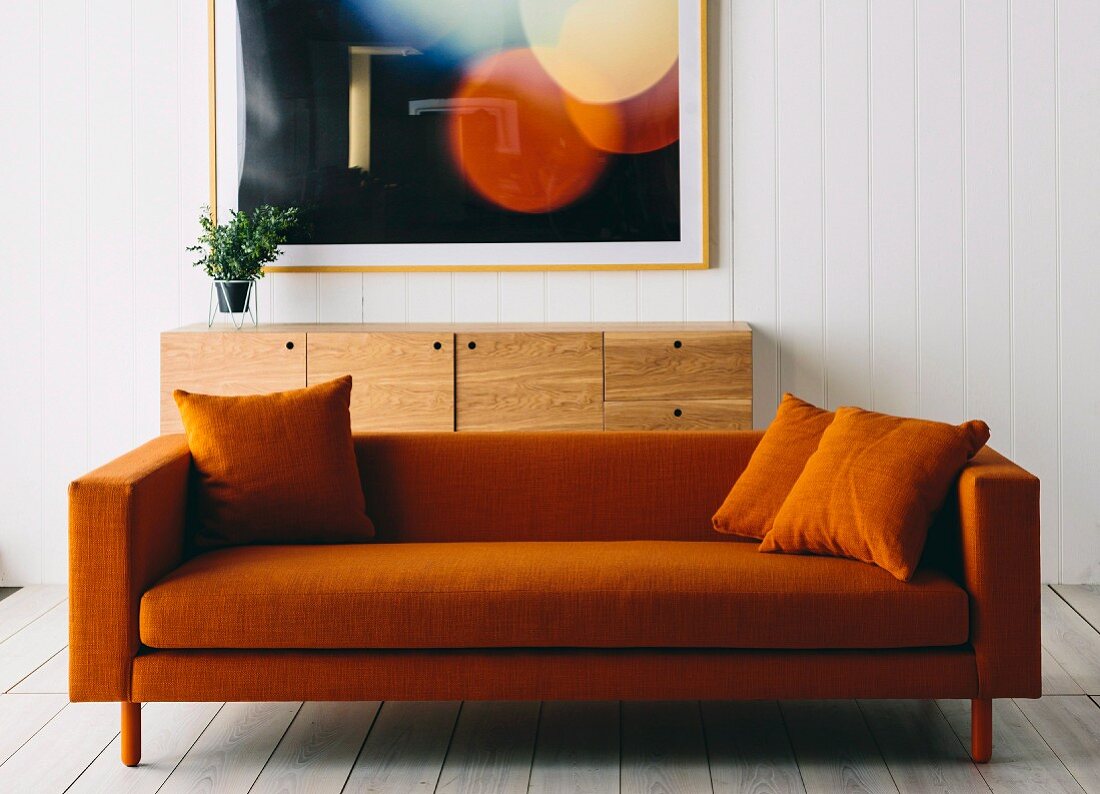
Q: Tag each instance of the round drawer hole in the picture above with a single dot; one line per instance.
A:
(289, 345)
(472, 345)
(677, 344)
(437, 345)
(677, 412)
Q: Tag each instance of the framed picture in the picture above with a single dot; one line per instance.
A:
(466, 134)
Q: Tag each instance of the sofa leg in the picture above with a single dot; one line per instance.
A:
(131, 733)
(981, 730)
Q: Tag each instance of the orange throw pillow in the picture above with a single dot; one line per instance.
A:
(755, 499)
(872, 488)
(275, 468)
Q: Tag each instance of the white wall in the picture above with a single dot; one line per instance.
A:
(915, 201)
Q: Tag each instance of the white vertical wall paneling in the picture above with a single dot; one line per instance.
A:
(755, 184)
(475, 298)
(384, 298)
(801, 200)
(429, 297)
(113, 286)
(661, 296)
(986, 212)
(65, 271)
(340, 298)
(157, 239)
(893, 216)
(1079, 289)
(846, 124)
(939, 209)
(294, 296)
(22, 297)
(522, 297)
(615, 296)
(847, 263)
(194, 185)
(1034, 180)
(568, 297)
(708, 293)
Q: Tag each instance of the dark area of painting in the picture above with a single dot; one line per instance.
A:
(307, 62)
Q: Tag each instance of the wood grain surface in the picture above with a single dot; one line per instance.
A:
(227, 363)
(704, 366)
(678, 415)
(405, 749)
(663, 748)
(529, 381)
(400, 381)
(577, 750)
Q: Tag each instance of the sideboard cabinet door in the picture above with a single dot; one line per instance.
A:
(400, 381)
(529, 381)
(227, 363)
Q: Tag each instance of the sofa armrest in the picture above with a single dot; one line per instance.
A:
(998, 505)
(126, 531)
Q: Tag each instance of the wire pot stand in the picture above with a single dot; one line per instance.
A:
(220, 296)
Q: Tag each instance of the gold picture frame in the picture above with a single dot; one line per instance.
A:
(705, 245)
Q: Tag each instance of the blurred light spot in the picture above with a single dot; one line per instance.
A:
(603, 51)
(513, 140)
(643, 123)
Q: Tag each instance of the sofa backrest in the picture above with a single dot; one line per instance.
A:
(549, 486)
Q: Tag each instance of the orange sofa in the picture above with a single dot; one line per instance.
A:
(543, 566)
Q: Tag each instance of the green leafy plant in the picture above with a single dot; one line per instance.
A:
(239, 249)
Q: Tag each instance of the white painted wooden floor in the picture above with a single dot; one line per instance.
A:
(50, 745)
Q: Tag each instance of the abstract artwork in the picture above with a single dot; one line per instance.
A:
(452, 134)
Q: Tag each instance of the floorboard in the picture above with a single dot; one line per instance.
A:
(1071, 726)
(663, 748)
(57, 754)
(168, 731)
(1071, 641)
(50, 678)
(578, 749)
(921, 751)
(232, 751)
(749, 749)
(491, 749)
(1085, 599)
(22, 716)
(26, 605)
(33, 645)
(834, 747)
(1022, 762)
(405, 748)
(1056, 681)
(319, 749)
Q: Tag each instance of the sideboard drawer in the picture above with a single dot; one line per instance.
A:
(682, 415)
(678, 365)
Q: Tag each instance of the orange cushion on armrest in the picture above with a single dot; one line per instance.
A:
(752, 504)
(871, 489)
(275, 468)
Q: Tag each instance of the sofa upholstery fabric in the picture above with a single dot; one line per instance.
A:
(544, 594)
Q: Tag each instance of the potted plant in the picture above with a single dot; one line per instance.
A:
(234, 253)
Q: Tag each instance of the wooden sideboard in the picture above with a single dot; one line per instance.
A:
(614, 376)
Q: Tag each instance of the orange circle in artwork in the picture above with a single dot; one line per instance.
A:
(643, 123)
(512, 138)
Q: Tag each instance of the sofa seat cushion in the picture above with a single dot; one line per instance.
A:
(606, 594)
